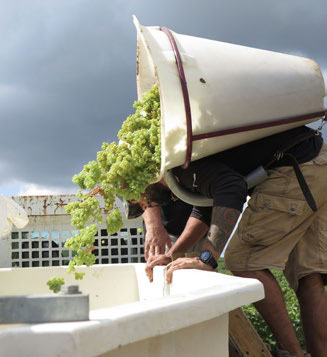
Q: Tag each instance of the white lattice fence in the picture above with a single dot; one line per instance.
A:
(42, 241)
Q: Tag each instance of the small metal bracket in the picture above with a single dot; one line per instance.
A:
(323, 122)
(69, 290)
(256, 176)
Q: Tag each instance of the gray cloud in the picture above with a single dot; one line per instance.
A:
(67, 68)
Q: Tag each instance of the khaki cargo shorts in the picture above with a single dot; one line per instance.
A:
(279, 230)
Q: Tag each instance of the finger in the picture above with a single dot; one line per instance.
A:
(158, 250)
(178, 264)
(150, 259)
(146, 251)
(155, 260)
(169, 273)
(152, 250)
(168, 266)
(152, 262)
(149, 273)
(158, 260)
(169, 243)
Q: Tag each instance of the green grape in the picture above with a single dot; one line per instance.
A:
(123, 169)
(79, 276)
(55, 284)
(114, 222)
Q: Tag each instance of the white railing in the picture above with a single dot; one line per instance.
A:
(42, 241)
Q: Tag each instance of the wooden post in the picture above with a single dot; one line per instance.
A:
(243, 338)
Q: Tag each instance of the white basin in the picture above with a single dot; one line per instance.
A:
(130, 316)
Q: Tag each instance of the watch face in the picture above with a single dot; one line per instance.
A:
(205, 255)
(207, 258)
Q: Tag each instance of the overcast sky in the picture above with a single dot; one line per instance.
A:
(67, 71)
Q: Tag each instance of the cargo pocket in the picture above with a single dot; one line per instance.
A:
(321, 159)
(278, 181)
(269, 218)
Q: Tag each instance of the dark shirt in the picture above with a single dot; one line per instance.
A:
(221, 176)
(176, 214)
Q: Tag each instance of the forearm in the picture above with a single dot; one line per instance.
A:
(152, 218)
(223, 222)
(153, 223)
(156, 238)
(194, 230)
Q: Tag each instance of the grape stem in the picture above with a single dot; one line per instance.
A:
(97, 191)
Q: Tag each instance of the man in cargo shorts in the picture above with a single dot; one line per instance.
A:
(278, 229)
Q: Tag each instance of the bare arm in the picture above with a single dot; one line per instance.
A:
(194, 230)
(223, 221)
(222, 224)
(156, 238)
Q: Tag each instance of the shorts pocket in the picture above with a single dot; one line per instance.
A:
(269, 218)
(321, 159)
(278, 181)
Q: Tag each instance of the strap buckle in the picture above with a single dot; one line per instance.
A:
(278, 155)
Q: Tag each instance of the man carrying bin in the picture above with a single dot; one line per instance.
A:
(284, 227)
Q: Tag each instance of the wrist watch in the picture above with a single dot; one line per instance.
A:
(207, 258)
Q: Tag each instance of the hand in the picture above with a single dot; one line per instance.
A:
(185, 263)
(156, 241)
(162, 259)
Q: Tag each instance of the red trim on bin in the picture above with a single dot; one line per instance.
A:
(186, 98)
(257, 126)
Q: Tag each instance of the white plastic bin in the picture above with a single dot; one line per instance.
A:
(236, 94)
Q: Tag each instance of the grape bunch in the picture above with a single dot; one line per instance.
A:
(124, 169)
(55, 284)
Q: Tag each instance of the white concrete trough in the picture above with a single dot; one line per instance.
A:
(130, 316)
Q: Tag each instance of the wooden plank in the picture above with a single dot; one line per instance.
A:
(243, 338)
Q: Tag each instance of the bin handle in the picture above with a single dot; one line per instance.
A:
(192, 198)
(197, 199)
